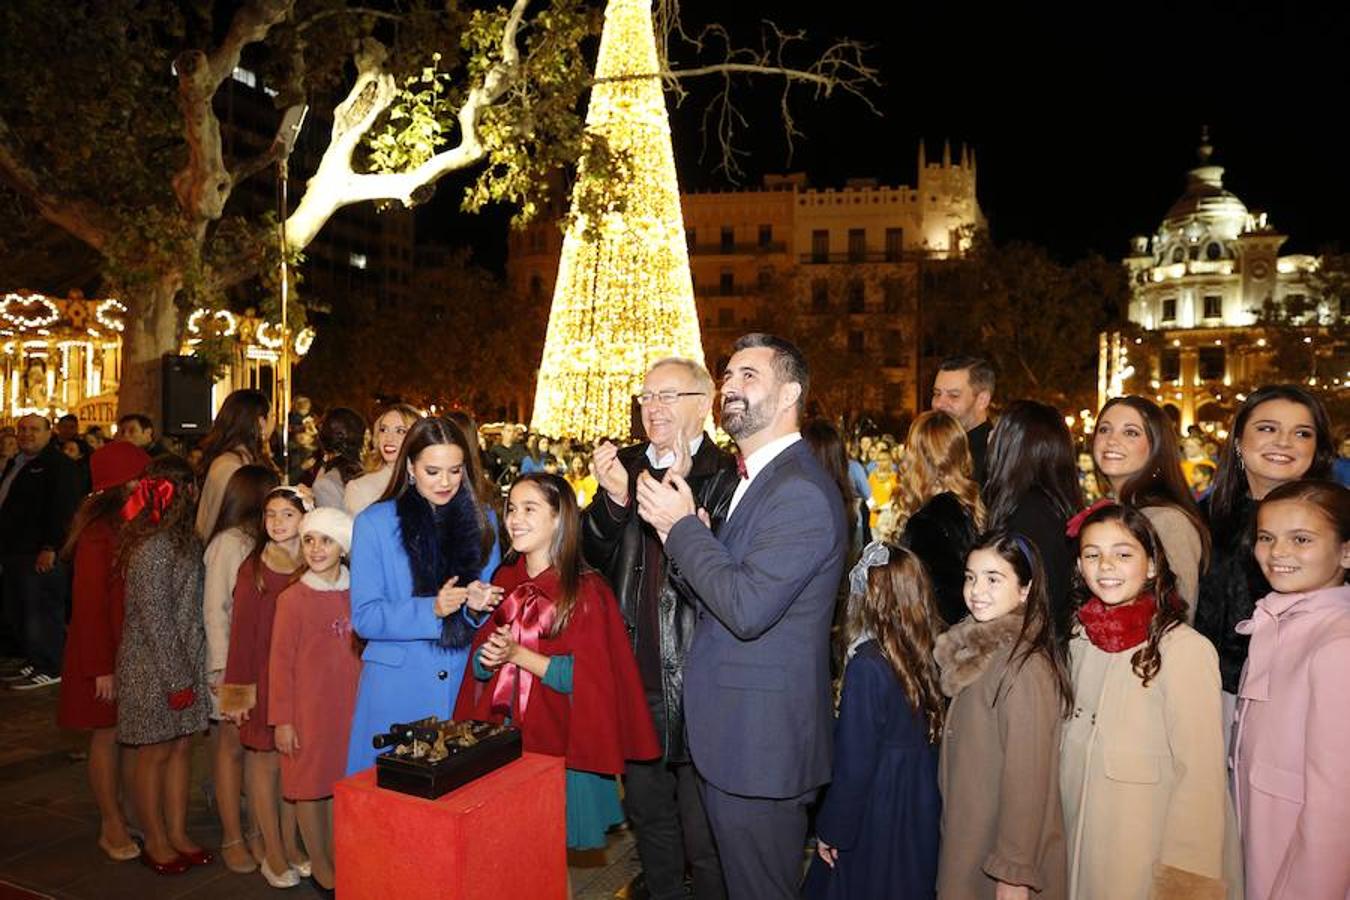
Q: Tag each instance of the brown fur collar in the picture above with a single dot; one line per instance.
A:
(965, 650)
(278, 559)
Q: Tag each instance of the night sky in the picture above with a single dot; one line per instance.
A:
(1084, 129)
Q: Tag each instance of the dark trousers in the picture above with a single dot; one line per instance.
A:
(663, 805)
(760, 841)
(35, 610)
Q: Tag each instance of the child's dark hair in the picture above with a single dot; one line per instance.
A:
(177, 518)
(1332, 499)
(1038, 630)
(1171, 612)
(242, 504)
(565, 552)
(291, 496)
(899, 612)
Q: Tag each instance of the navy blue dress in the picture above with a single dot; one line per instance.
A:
(882, 809)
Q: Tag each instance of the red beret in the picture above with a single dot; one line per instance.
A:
(117, 463)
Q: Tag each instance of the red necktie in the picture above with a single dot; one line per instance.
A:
(740, 468)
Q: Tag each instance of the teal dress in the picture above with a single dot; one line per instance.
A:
(592, 800)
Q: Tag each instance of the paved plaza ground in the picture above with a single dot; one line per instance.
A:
(49, 825)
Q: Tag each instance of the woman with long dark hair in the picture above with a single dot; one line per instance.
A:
(342, 435)
(1137, 461)
(1280, 434)
(938, 510)
(1031, 487)
(238, 437)
(421, 558)
(88, 679)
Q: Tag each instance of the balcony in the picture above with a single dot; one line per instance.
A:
(869, 256)
(746, 249)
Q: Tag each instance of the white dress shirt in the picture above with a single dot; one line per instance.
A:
(668, 460)
(755, 463)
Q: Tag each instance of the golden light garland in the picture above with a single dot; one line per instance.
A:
(624, 297)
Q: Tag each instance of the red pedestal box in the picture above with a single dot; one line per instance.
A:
(503, 837)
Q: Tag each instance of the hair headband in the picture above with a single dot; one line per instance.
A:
(306, 500)
(1025, 549)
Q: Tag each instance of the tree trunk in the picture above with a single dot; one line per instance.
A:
(151, 331)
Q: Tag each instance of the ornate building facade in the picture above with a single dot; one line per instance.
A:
(1198, 287)
(835, 269)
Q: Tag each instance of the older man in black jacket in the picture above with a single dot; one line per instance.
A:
(39, 490)
(661, 798)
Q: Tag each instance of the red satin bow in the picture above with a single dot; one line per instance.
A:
(157, 493)
(529, 612)
(1075, 525)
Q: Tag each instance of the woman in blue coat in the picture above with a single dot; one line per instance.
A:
(877, 831)
(421, 560)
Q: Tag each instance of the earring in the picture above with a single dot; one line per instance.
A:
(411, 480)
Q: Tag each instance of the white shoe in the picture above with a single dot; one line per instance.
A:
(287, 879)
(35, 681)
(304, 869)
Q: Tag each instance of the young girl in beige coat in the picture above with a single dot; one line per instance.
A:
(1002, 825)
(1142, 774)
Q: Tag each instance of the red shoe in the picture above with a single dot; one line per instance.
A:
(199, 858)
(176, 866)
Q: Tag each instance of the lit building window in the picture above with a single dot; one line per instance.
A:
(246, 77)
(357, 260)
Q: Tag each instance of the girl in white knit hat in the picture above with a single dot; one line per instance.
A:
(315, 667)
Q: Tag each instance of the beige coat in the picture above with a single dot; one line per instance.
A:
(1142, 774)
(213, 489)
(1181, 543)
(999, 769)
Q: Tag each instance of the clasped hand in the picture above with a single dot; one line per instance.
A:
(480, 596)
(499, 649)
(663, 503)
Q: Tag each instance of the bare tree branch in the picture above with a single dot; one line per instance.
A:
(840, 67)
(347, 11)
(83, 221)
(336, 185)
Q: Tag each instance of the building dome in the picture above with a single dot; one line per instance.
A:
(1202, 222)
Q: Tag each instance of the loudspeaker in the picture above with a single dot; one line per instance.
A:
(186, 387)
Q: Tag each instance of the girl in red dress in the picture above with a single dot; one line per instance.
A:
(267, 571)
(315, 666)
(556, 660)
(88, 682)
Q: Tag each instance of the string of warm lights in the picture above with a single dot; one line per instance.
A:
(624, 297)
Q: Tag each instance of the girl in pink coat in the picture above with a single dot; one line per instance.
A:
(1293, 734)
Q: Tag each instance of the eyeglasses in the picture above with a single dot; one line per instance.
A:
(667, 398)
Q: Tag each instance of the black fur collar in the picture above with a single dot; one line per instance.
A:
(442, 544)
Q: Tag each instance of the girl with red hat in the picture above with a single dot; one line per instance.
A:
(88, 683)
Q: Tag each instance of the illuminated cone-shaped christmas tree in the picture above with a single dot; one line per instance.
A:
(624, 297)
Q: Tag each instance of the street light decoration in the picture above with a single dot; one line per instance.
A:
(624, 297)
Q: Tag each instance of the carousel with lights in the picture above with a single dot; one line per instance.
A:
(64, 355)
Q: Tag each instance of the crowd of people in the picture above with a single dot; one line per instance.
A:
(981, 662)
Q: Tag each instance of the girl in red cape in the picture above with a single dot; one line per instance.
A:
(556, 660)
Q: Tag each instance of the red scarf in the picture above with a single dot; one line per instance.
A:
(1119, 627)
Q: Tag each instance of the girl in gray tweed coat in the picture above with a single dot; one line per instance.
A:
(161, 678)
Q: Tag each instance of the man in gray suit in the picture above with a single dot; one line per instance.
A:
(757, 675)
